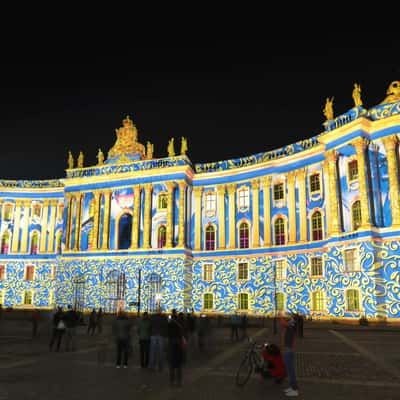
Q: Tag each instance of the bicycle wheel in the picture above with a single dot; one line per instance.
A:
(244, 371)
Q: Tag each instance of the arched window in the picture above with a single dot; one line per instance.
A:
(5, 243)
(8, 212)
(162, 236)
(244, 235)
(125, 231)
(356, 214)
(316, 226)
(280, 301)
(36, 210)
(353, 300)
(353, 170)
(162, 201)
(210, 237)
(34, 242)
(279, 227)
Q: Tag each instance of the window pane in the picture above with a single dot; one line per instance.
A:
(210, 238)
(353, 170)
(315, 183)
(208, 272)
(280, 302)
(279, 231)
(316, 266)
(243, 271)
(356, 214)
(278, 192)
(208, 301)
(244, 236)
(243, 301)
(316, 226)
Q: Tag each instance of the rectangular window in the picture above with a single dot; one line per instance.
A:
(318, 298)
(353, 170)
(208, 301)
(211, 202)
(280, 301)
(315, 185)
(350, 260)
(53, 272)
(280, 266)
(278, 192)
(28, 298)
(163, 201)
(316, 266)
(208, 272)
(243, 301)
(243, 271)
(353, 303)
(29, 272)
(244, 198)
(2, 272)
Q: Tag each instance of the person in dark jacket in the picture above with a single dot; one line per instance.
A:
(71, 319)
(92, 322)
(159, 331)
(121, 328)
(144, 332)
(58, 329)
(175, 349)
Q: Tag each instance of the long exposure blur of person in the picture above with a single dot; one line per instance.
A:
(288, 339)
(92, 322)
(121, 328)
(175, 350)
(144, 332)
(159, 331)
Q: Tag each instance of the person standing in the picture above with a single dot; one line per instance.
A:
(71, 320)
(92, 322)
(243, 326)
(35, 322)
(58, 329)
(159, 329)
(288, 336)
(175, 350)
(121, 331)
(100, 321)
(144, 332)
(234, 323)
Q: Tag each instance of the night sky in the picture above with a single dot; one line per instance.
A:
(229, 97)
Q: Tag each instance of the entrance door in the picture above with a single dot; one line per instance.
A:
(153, 292)
(115, 292)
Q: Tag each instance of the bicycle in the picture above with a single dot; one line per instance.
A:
(252, 362)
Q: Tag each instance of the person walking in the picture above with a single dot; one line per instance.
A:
(144, 332)
(288, 335)
(175, 350)
(121, 331)
(92, 322)
(159, 330)
(234, 324)
(71, 320)
(58, 329)
(100, 315)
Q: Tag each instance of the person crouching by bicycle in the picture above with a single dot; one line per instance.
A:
(274, 365)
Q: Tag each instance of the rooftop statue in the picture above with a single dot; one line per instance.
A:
(80, 160)
(393, 93)
(150, 150)
(100, 157)
(127, 141)
(171, 150)
(357, 95)
(184, 146)
(70, 160)
(328, 110)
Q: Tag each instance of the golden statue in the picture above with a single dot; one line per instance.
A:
(150, 149)
(393, 93)
(80, 160)
(127, 141)
(70, 160)
(328, 110)
(357, 95)
(171, 150)
(100, 158)
(184, 147)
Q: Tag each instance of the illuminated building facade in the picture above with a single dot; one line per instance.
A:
(312, 227)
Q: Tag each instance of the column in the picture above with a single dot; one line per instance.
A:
(170, 209)
(69, 201)
(53, 214)
(96, 218)
(106, 220)
(360, 144)
(301, 180)
(197, 216)
(17, 220)
(78, 215)
(232, 219)
(136, 216)
(24, 237)
(221, 216)
(256, 212)
(330, 166)
(181, 233)
(266, 182)
(43, 233)
(390, 143)
(147, 215)
(291, 180)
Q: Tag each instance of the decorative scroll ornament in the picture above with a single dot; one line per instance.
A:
(127, 141)
(393, 93)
